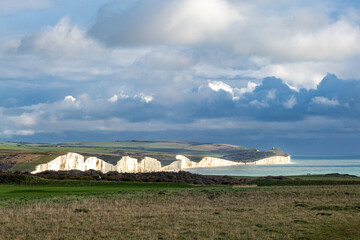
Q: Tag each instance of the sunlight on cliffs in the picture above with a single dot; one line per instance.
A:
(75, 161)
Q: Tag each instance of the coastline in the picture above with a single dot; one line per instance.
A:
(75, 161)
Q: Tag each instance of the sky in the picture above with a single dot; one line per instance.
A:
(258, 73)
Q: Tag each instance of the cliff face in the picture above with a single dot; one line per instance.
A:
(173, 167)
(93, 163)
(149, 164)
(74, 161)
(185, 162)
(205, 162)
(66, 162)
(273, 160)
(216, 162)
(127, 165)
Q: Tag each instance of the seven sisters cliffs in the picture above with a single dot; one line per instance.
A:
(75, 161)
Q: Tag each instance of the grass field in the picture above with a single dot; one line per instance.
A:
(53, 209)
(21, 193)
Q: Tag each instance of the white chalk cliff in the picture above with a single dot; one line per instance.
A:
(66, 162)
(218, 162)
(205, 162)
(149, 164)
(127, 165)
(74, 161)
(273, 160)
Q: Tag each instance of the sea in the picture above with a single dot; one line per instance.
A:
(301, 165)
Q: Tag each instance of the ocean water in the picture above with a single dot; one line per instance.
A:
(301, 165)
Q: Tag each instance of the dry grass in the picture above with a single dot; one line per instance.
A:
(312, 212)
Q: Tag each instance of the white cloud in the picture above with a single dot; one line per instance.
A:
(193, 21)
(166, 22)
(144, 97)
(10, 133)
(236, 93)
(219, 85)
(25, 119)
(300, 74)
(248, 89)
(271, 94)
(114, 98)
(259, 104)
(296, 41)
(62, 40)
(65, 51)
(117, 97)
(279, 41)
(69, 99)
(290, 103)
(211, 71)
(325, 101)
(165, 58)
(281, 30)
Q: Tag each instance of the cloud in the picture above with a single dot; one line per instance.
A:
(64, 51)
(25, 119)
(287, 114)
(290, 103)
(271, 94)
(260, 104)
(251, 86)
(184, 65)
(144, 97)
(219, 85)
(300, 41)
(325, 101)
(10, 133)
(114, 98)
(164, 22)
(283, 30)
(69, 99)
(166, 59)
(143, 51)
(62, 40)
(236, 93)
(301, 74)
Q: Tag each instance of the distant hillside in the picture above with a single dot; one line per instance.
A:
(22, 156)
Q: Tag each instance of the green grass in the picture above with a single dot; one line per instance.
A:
(79, 188)
(178, 147)
(62, 149)
(38, 187)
